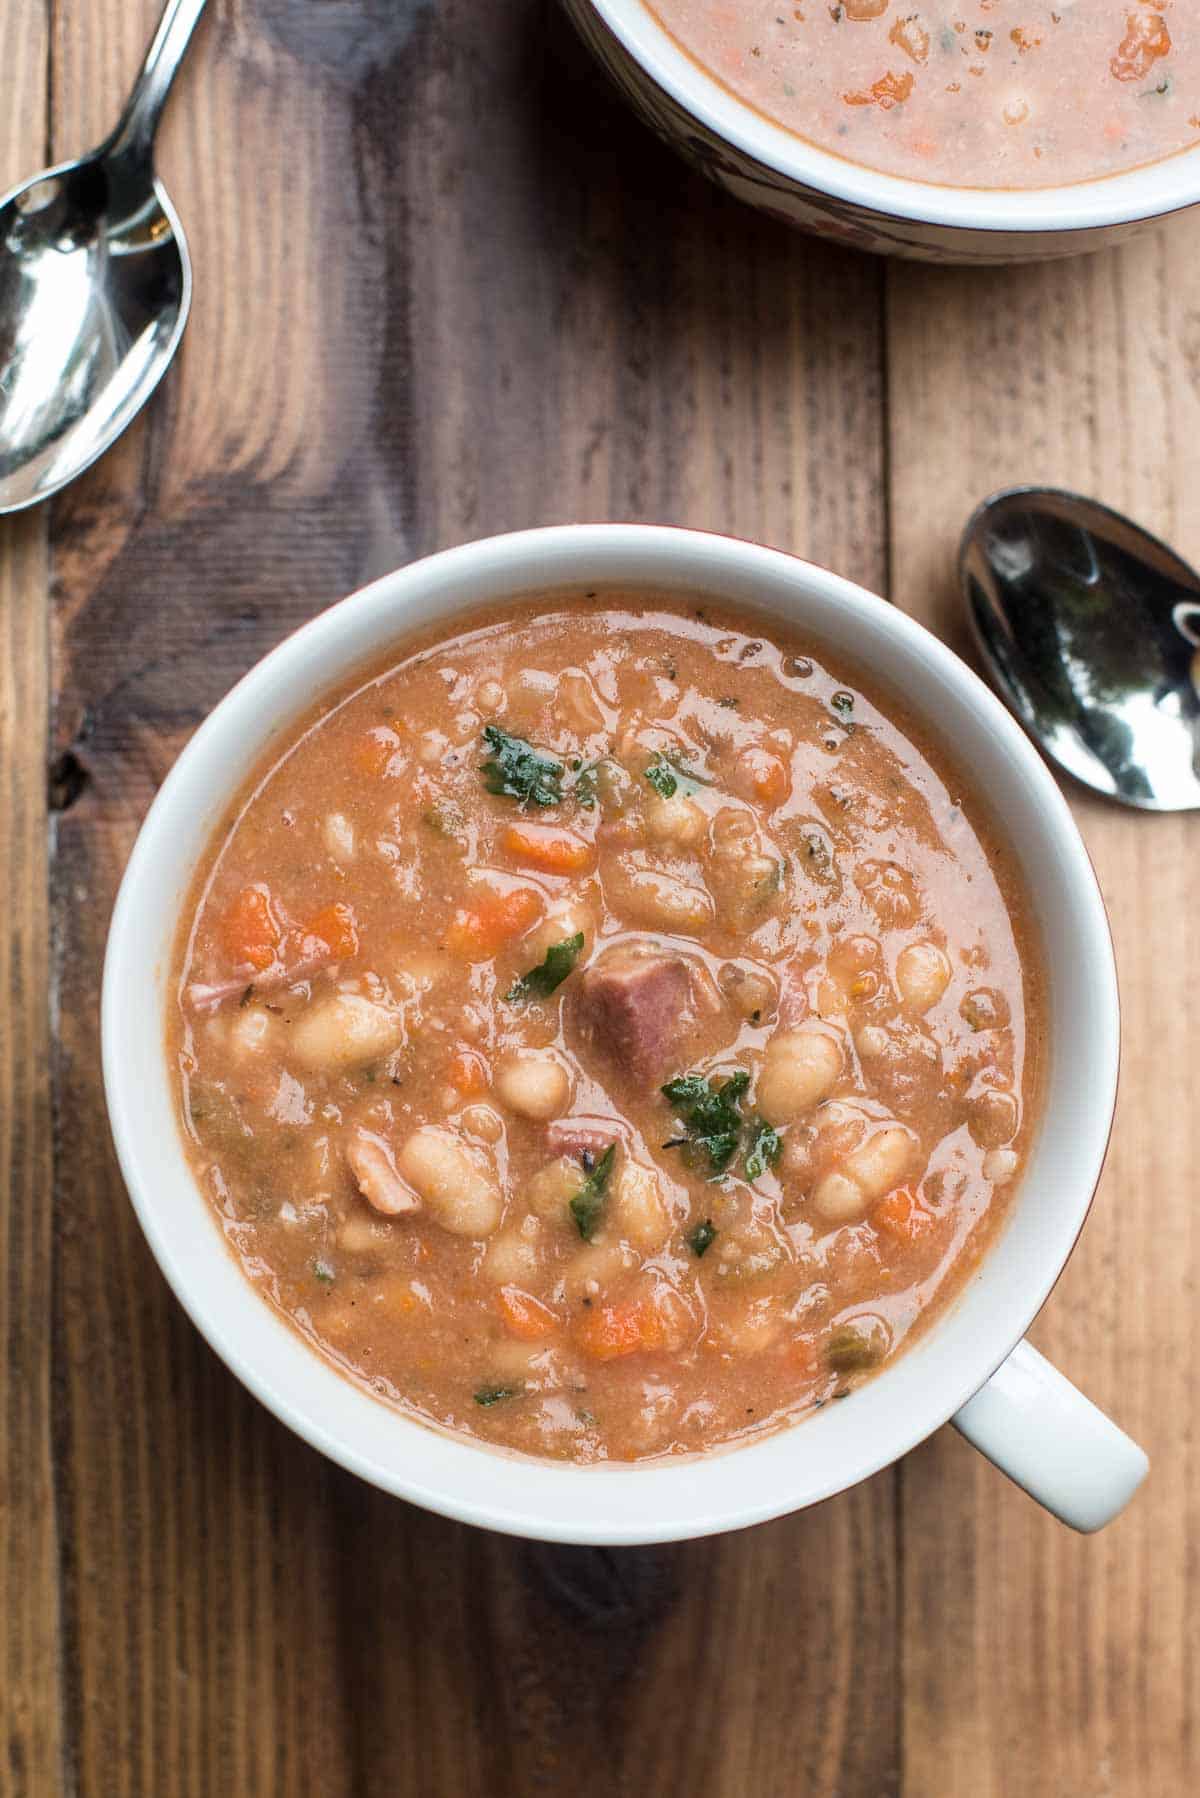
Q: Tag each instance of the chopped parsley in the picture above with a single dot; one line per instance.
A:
(495, 1395)
(662, 779)
(762, 1150)
(711, 1119)
(667, 774)
(540, 982)
(588, 1205)
(702, 1237)
(323, 1272)
(584, 786)
(515, 770)
(715, 1129)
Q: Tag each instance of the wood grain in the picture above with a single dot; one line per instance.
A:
(461, 292)
(31, 1717)
(445, 285)
(1059, 1664)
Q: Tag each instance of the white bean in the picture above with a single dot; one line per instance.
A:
(482, 1121)
(512, 1256)
(677, 821)
(462, 1198)
(999, 1165)
(375, 1173)
(800, 1069)
(533, 1085)
(558, 926)
(882, 1161)
(250, 1032)
(922, 974)
(344, 1031)
(339, 837)
(659, 899)
(641, 1212)
(551, 1189)
(839, 1199)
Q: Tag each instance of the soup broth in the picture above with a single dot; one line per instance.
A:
(608, 1030)
(982, 93)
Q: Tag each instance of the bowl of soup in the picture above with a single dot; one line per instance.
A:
(969, 132)
(611, 1033)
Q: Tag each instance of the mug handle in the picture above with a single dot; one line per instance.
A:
(1055, 1443)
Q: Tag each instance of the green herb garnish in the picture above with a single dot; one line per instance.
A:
(849, 1350)
(495, 1395)
(763, 1149)
(662, 779)
(667, 774)
(711, 1119)
(715, 1128)
(587, 1207)
(702, 1237)
(550, 973)
(583, 787)
(516, 770)
(323, 1272)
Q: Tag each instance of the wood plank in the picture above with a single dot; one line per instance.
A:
(31, 1761)
(445, 285)
(1035, 1660)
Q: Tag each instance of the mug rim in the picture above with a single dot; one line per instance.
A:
(1147, 191)
(460, 1477)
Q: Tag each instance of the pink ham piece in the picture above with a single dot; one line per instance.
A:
(637, 1008)
(375, 1175)
(580, 1136)
(204, 997)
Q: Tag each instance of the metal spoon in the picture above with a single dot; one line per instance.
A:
(1091, 630)
(95, 285)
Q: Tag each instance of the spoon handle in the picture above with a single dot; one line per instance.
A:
(134, 135)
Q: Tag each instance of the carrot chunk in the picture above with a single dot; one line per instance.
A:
(372, 754)
(635, 1326)
(468, 1073)
(608, 1331)
(249, 932)
(478, 930)
(544, 846)
(903, 1215)
(523, 1316)
(334, 926)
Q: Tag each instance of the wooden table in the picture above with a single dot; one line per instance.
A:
(446, 286)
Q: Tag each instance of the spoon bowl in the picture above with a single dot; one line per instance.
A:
(95, 287)
(1090, 628)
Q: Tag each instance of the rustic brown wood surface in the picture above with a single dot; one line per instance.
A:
(445, 285)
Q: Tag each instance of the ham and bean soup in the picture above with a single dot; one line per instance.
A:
(978, 93)
(608, 1030)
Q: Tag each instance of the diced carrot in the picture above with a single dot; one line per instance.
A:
(545, 846)
(478, 930)
(903, 1215)
(608, 1331)
(373, 752)
(334, 926)
(770, 780)
(661, 1321)
(249, 932)
(890, 90)
(468, 1073)
(525, 1317)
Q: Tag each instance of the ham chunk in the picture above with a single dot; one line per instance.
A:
(636, 1008)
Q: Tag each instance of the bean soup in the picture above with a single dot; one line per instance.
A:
(608, 1030)
(981, 93)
